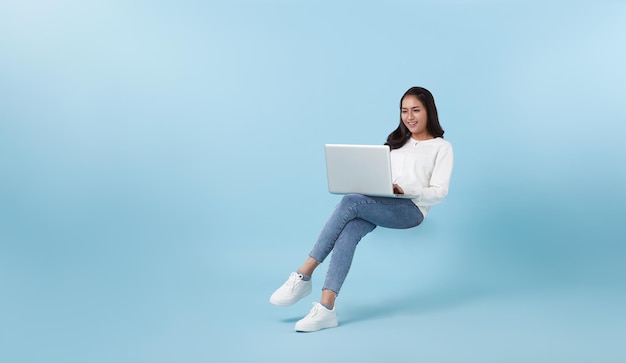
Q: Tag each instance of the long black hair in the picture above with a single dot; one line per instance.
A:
(398, 137)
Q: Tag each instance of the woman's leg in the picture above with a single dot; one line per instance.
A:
(354, 217)
(384, 212)
(309, 266)
(341, 258)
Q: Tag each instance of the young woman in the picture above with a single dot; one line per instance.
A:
(421, 163)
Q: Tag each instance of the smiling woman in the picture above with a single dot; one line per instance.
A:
(418, 118)
(421, 165)
(414, 117)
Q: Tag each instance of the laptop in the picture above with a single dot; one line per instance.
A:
(360, 169)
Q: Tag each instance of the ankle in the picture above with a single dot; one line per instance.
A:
(308, 267)
(327, 306)
(328, 299)
(305, 277)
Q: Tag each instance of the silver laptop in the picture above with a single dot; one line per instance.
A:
(360, 169)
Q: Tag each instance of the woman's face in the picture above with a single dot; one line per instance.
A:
(414, 116)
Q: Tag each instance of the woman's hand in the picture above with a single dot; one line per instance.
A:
(397, 189)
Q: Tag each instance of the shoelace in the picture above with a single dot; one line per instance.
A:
(291, 282)
(314, 311)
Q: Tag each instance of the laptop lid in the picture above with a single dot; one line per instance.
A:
(360, 169)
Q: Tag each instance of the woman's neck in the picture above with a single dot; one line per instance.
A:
(422, 137)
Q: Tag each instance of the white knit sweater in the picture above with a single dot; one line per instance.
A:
(423, 168)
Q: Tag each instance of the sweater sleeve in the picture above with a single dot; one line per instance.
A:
(437, 188)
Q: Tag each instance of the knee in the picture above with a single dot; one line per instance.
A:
(352, 199)
(350, 202)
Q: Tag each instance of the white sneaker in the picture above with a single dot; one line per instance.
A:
(291, 291)
(318, 318)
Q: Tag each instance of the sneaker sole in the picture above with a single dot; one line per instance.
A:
(311, 329)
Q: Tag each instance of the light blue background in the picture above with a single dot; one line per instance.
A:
(162, 173)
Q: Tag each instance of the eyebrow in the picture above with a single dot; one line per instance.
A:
(406, 108)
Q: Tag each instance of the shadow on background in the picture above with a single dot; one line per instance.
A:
(414, 303)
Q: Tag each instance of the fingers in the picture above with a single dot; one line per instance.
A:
(397, 189)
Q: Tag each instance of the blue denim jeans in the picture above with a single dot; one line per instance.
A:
(354, 217)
